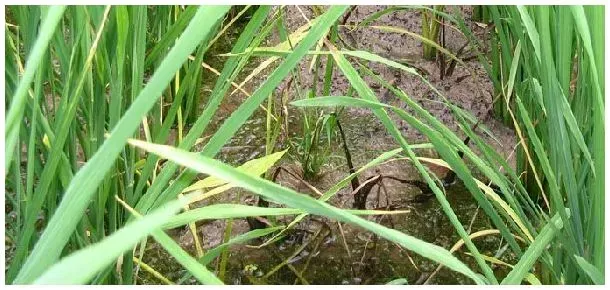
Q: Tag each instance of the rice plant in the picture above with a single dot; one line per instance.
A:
(111, 142)
(431, 28)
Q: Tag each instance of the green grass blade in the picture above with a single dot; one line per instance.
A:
(596, 227)
(256, 167)
(233, 123)
(332, 101)
(455, 140)
(513, 71)
(216, 251)
(345, 181)
(154, 194)
(423, 39)
(531, 30)
(170, 35)
(546, 236)
(63, 125)
(81, 266)
(293, 199)
(198, 270)
(575, 130)
(227, 211)
(399, 281)
(346, 101)
(583, 29)
(366, 92)
(14, 116)
(595, 274)
(84, 183)
(247, 108)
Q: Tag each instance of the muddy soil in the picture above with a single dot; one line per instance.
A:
(342, 254)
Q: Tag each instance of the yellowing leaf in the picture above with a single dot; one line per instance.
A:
(491, 194)
(254, 167)
(529, 277)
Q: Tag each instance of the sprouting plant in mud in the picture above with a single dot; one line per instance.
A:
(431, 29)
(313, 148)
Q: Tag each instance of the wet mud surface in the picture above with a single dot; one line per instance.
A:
(319, 250)
(332, 253)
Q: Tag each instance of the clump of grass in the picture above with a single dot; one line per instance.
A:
(91, 45)
(553, 81)
(431, 28)
(93, 91)
(313, 148)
